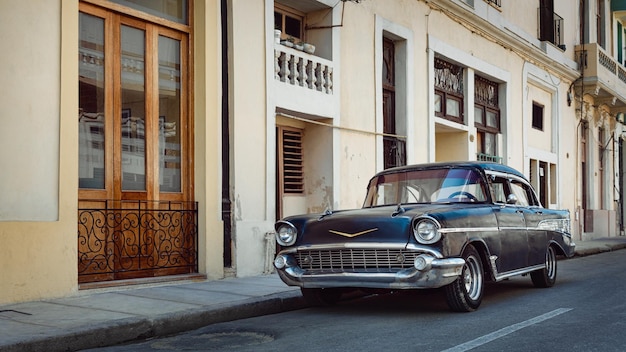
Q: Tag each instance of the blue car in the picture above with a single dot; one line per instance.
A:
(451, 225)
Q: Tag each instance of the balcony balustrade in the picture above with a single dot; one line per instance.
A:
(604, 77)
(304, 82)
(298, 68)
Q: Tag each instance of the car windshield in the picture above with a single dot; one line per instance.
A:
(426, 186)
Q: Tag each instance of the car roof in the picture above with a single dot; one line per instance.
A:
(480, 165)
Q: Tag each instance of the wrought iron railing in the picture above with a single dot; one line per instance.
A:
(134, 239)
(496, 3)
(488, 157)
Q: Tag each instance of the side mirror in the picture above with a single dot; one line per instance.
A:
(511, 199)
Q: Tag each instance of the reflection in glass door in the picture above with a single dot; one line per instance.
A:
(170, 146)
(133, 103)
(91, 121)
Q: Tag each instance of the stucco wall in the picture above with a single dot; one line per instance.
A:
(30, 111)
(38, 255)
(207, 132)
(38, 249)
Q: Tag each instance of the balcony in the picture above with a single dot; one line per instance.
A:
(495, 3)
(550, 27)
(304, 82)
(603, 76)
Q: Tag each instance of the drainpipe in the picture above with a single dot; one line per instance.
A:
(226, 196)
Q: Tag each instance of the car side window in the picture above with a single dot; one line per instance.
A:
(521, 192)
(498, 185)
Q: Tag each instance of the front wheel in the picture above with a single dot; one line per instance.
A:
(466, 292)
(546, 277)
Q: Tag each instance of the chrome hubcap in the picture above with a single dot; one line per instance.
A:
(551, 262)
(472, 277)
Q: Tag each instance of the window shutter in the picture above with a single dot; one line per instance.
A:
(292, 170)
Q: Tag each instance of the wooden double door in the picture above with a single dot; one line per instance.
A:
(136, 213)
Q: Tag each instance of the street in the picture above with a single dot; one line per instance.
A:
(584, 311)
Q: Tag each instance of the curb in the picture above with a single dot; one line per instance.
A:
(605, 247)
(133, 329)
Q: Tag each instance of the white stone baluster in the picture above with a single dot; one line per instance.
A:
(277, 64)
(320, 77)
(294, 70)
(303, 74)
(311, 74)
(329, 79)
(284, 71)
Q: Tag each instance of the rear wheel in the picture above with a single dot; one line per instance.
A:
(321, 296)
(466, 292)
(546, 277)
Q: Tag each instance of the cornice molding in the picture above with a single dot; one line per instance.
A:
(507, 38)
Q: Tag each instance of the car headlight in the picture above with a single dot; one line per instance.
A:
(286, 233)
(426, 231)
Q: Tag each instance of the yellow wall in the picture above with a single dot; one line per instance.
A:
(38, 258)
(207, 121)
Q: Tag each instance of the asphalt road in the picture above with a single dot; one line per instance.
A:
(584, 311)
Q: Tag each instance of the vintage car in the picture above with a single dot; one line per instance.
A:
(452, 225)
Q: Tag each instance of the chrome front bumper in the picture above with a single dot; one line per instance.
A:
(427, 272)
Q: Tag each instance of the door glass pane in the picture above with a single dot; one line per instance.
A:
(169, 115)
(91, 102)
(133, 110)
(490, 144)
(173, 10)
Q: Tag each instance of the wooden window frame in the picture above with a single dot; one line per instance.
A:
(486, 100)
(114, 16)
(450, 94)
(285, 11)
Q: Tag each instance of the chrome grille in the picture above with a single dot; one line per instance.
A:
(375, 260)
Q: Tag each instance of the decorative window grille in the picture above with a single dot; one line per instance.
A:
(448, 90)
(291, 161)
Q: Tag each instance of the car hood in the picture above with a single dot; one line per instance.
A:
(378, 224)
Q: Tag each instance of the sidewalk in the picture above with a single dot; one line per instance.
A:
(104, 317)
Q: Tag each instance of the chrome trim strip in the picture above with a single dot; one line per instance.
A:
(365, 245)
(442, 272)
(502, 276)
(468, 229)
(351, 235)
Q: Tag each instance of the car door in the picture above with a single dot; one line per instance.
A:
(533, 215)
(511, 225)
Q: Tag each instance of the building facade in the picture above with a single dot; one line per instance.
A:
(200, 123)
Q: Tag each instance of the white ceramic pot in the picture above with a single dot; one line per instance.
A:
(309, 48)
(277, 36)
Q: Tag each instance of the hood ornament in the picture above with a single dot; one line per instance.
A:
(325, 214)
(350, 235)
(399, 210)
